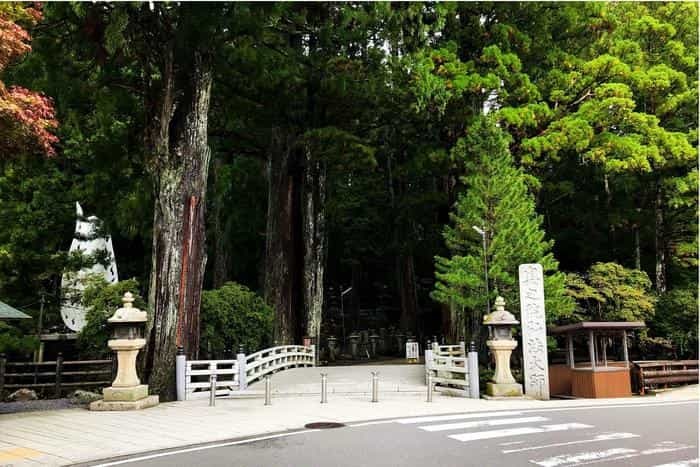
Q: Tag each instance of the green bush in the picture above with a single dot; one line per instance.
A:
(14, 342)
(676, 319)
(233, 315)
(101, 300)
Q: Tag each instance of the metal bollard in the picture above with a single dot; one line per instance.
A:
(429, 378)
(268, 390)
(212, 390)
(375, 386)
(324, 388)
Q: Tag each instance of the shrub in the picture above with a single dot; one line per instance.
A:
(15, 342)
(677, 320)
(101, 300)
(233, 315)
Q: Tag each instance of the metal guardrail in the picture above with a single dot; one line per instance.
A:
(194, 377)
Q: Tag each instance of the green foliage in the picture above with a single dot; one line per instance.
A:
(101, 300)
(610, 292)
(232, 316)
(496, 199)
(13, 341)
(677, 320)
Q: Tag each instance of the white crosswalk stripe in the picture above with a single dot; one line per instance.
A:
(518, 431)
(480, 423)
(595, 439)
(445, 418)
(685, 463)
(608, 455)
(580, 457)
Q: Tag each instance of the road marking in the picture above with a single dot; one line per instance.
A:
(581, 457)
(13, 454)
(480, 423)
(604, 456)
(602, 437)
(201, 448)
(511, 443)
(378, 422)
(518, 431)
(685, 463)
(444, 418)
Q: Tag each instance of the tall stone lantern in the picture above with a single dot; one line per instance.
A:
(126, 392)
(501, 343)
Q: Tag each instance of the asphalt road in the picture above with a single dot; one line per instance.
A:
(650, 435)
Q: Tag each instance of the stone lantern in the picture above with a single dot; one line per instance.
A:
(501, 343)
(126, 392)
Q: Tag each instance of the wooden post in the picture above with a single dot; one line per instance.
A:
(591, 348)
(59, 366)
(3, 362)
(625, 355)
(570, 349)
(604, 343)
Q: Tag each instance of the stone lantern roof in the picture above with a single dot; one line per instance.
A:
(500, 316)
(128, 314)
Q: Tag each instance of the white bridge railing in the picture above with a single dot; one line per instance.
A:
(453, 370)
(194, 378)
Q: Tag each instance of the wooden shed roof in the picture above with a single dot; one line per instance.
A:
(597, 326)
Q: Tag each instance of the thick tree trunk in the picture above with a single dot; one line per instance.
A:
(659, 240)
(314, 235)
(281, 255)
(180, 164)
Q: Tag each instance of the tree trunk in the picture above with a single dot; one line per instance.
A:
(612, 237)
(178, 137)
(221, 270)
(659, 241)
(281, 255)
(406, 274)
(314, 235)
(637, 249)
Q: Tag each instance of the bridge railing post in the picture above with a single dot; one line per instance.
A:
(180, 374)
(242, 373)
(473, 364)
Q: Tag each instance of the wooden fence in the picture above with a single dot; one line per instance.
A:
(650, 374)
(194, 378)
(56, 377)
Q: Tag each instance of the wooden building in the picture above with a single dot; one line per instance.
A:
(596, 376)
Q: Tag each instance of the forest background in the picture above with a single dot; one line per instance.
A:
(300, 148)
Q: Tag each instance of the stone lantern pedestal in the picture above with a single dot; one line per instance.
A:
(126, 392)
(501, 344)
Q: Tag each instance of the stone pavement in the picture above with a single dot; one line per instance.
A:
(63, 437)
(356, 379)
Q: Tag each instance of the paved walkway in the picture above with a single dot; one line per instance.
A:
(345, 380)
(63, 437)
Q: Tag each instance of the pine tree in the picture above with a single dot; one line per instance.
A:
(497, 200)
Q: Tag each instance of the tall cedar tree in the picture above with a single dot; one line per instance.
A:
(496, 200)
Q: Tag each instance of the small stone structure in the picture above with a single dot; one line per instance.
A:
(126, 392)
(501, 343)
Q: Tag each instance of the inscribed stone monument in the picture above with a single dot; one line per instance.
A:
(534, 331)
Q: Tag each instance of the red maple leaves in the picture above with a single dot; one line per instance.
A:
(26, 117)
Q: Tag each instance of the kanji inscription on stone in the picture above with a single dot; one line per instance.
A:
(534, 330)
